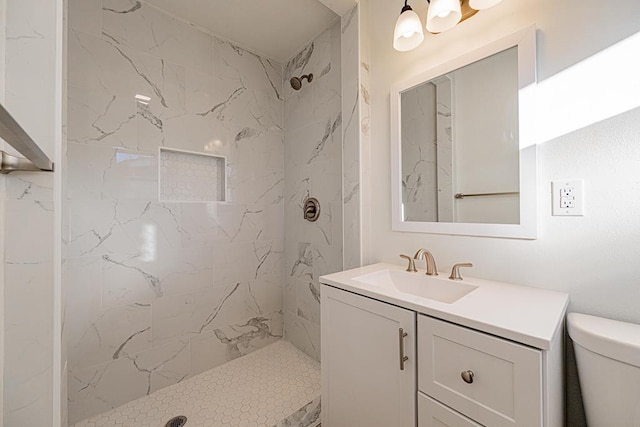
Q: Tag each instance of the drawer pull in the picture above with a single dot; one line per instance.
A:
(402, 335)
(467, 376)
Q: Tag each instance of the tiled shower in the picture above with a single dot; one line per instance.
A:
(159, 290)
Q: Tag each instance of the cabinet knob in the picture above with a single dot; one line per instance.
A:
(467, 376)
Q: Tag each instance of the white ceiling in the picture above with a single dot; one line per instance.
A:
(275, 28)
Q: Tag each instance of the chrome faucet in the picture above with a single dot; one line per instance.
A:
(432, 270)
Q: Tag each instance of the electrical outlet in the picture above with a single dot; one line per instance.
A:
(567, 198)
(567, 203)
(567, 192)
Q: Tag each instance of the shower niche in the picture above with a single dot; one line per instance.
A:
(186, 176)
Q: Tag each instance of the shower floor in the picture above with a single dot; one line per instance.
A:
(275, 386)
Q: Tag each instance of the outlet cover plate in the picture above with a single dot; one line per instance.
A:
(567, 193)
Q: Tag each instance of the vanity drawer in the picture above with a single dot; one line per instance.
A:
(435, 414)
(503, 380)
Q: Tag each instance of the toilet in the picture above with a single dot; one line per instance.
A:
(608, 358)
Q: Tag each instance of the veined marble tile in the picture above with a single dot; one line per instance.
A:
(245, 261)
(327, 259)
(28, 312)
(322, 97)
(99, 388)
(291, 295)
(144, 278)
(248, 69)
(314, 58)
(303, 334)
(200, 92)
(138, 80)
(187, 315)
(109, 335)
(101, 117)
(133, 228)
(326, 230)
(308, 306)
(28, 221)
(300, 258)
(94, 335)
(30, 56)
(86, 16)
(149, 30)
(111, 173)
(192, 132)
(28, 343)
(230, 222)
(309, 261)
(240, 107)
(351, 136)
(308, 415)
(30, 186)
(265, 295)
(228, 343)
(262, 186)
(315, 142)
(103, 66)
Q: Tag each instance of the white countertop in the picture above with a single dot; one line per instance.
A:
(523, 314)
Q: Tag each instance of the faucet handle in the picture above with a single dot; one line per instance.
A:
(455, 271)
(412, 265)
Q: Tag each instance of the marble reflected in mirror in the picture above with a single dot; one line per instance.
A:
(463, 161)
(459, 139)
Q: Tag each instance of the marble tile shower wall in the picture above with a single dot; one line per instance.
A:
(158, 292)
(351, 135)
(313, 157)
(28, 218)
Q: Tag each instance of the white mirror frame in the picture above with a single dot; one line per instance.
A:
(525, 40)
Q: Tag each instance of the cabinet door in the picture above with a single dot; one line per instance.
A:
(363, 382)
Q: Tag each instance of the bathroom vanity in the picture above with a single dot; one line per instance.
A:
(404, 349)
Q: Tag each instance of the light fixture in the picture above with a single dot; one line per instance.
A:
(442, 15)
(483, 4)
(408, 32)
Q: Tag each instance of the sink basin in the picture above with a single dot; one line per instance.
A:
(418, 284)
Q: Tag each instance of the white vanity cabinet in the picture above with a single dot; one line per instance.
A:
(493, 357)
(368, 362)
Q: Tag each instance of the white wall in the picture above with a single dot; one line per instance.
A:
(586, 256)
(595, 257)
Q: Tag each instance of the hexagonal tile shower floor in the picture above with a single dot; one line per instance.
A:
(275, 386)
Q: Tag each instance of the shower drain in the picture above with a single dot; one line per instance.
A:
(178, 421)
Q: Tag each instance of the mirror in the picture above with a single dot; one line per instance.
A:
(462, 157)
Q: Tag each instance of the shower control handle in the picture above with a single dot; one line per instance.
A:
(311, 209)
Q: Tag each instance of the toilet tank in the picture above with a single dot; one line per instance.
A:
(608, 358)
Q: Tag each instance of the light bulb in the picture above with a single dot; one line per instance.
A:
(408, 33)
(443, 15)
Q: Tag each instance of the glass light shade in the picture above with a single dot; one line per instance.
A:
(483, 4)
(443, 15)
(408, 33)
